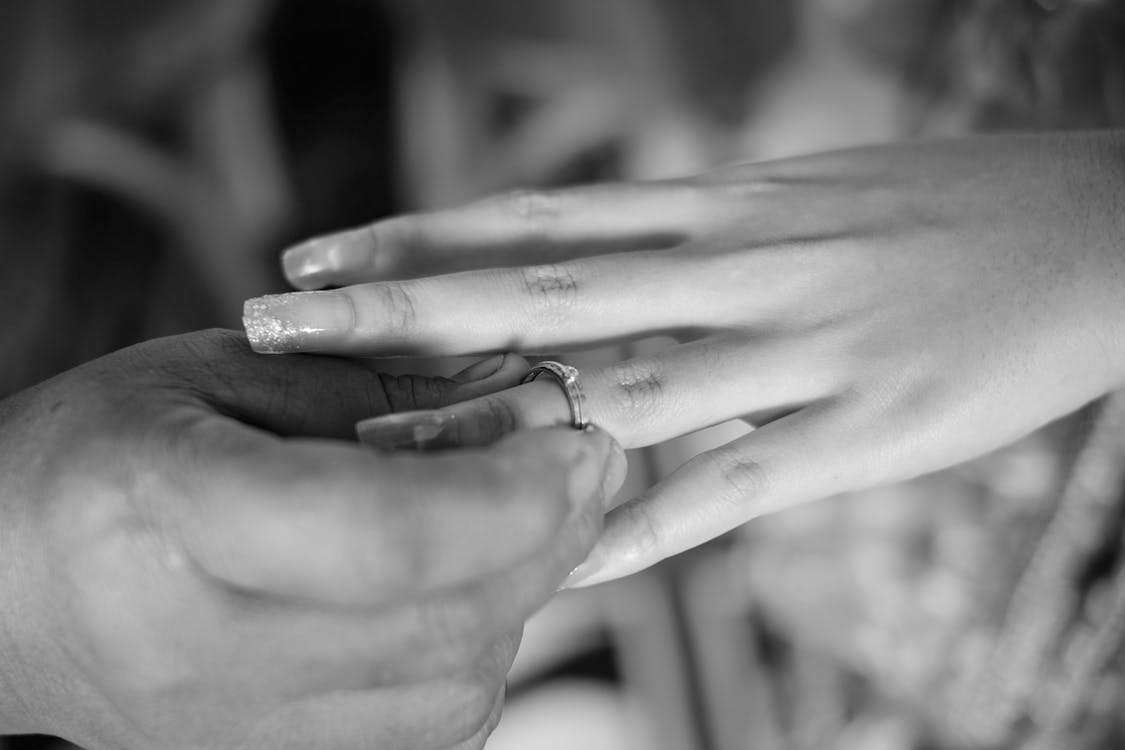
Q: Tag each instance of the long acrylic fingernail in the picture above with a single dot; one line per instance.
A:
(586, 574)
(412, 430)
(481, 370)
(297, 322)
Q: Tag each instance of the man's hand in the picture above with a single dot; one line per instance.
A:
(190, 557)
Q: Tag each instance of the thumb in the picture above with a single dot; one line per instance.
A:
(311, 396)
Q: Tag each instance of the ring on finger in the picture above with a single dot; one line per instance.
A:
(568, 379)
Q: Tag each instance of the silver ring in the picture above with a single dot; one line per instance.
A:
(567, 377)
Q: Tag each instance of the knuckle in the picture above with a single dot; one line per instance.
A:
(536, 210)
(639, 389)
(552, 289)
(646, 536)
(694, 196)
(409, 392)
(745, 188)
(397, 309)
(398, 229)
(497, 416)
(741, 477)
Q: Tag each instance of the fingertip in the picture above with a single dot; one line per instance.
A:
(512, 369)
(348, 257)
(488, 377)
(629, 543)
(617, 467)
(306, 265)
(600, 566)
(595, 463)
(590, 572)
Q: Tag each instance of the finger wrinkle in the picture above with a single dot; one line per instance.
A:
(397, 307)
(411, 392)
(745, 478)
(537, 210)
(640, 388)
(637, 528)
(552, 289)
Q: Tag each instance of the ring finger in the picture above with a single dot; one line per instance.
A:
(640, 402)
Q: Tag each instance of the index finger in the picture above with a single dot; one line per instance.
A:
(332, 522)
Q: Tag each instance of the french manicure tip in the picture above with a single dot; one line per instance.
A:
(297, 321)
(265, 331)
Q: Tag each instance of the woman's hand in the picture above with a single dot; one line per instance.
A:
(879, 313)
(188, 559)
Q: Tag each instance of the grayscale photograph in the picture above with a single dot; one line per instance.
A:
(562, 375)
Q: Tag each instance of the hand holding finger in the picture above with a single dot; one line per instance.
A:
(309, 396)
(176, 572)
(641, 402)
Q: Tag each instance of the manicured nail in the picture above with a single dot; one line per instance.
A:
(585, 574)
(297, 322)
(412, 430)
(318, 262)
(481, 370)
(338, 259)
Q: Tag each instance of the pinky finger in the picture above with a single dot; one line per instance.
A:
(805, 456)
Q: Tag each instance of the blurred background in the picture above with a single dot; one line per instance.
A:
(155, 156)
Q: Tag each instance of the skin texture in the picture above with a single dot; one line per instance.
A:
(878, 313)
(195, 556)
